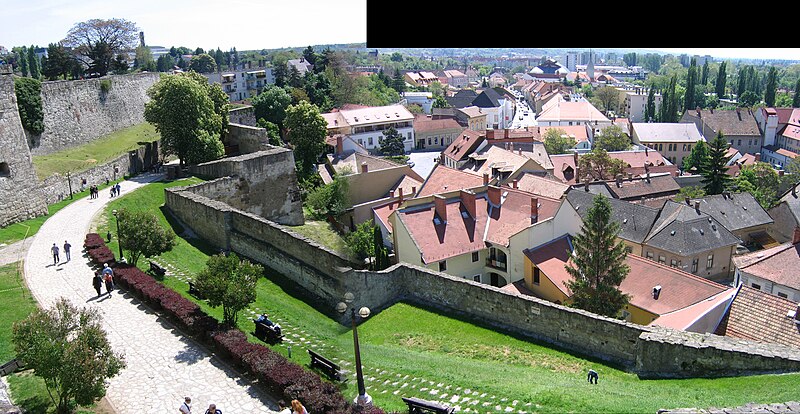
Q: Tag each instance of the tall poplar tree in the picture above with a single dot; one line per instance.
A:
(597, 265)
(721, 80)
(34, 67)
(650, 108)
(796, 99)
(715, 176)
(691, 81)
(772, 84)
(704, 77)
(22, 58)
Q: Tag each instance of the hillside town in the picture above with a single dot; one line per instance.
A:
(484, 220)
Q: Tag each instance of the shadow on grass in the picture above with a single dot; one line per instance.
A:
(196, 242)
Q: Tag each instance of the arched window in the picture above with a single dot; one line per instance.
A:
(5, 171)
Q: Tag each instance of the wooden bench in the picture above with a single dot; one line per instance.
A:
(10, 367)
(419, 406)
(194, 292)
(157, 269)
(327, 366)
(267, 333)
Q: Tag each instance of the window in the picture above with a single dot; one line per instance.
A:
(474, 256)
(783, 295)
(673, 263)
(739, 143)
(4, 170)
(756, 286)
(360, 141)
(710, 261)
(695, 262)
(476, 278)
(629, 249)
(429, 140)
(689, 147)
(536, 275)
(662, 259)
(436, 140)
(443, 265)
(650, 255)
(409, 135)
(369, 140)
(684, 147)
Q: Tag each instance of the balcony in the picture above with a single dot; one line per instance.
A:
(494, 263)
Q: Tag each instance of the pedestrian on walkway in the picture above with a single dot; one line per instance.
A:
(117, 188)
(212, 409)
(297, 407)
(97, 282)
(66, 248)
(54, 249)
(186, 407)
(108, 277)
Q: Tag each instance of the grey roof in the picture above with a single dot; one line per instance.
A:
(730, 122)
(682, 230)
(462, 98)
(792, 201)
(666, 132)
(735, 211)
(635, 220)
(489, 98)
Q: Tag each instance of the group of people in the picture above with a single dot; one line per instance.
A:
(104, 277)
(115, 190)
(93, 191)
(296, 407)
(56, 251)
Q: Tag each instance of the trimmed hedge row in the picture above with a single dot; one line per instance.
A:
(279, 376)
(97, 250)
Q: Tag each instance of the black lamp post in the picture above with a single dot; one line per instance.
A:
(363, 398)
(119, 238)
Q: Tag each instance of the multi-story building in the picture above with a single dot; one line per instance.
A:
(455, 78)
(365, 125)
(242, 83)
(432, 133)
(739, 127)
(673, 141)
(633, 102)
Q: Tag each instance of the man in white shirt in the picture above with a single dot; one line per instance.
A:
(186, 407)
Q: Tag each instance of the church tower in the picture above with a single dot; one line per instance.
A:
(590, 66)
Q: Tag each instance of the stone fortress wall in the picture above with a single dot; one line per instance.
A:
(649, 351)
(77, 112)
(20, 196)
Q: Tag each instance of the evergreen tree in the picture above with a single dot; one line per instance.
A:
(704, 77)
(715, 177)
(23, 61)
(691, 80)
(34, 67)
(650, 108)
(772, 84)
(721, 80)
(698, 158)
(796, 98)
(392, 142)
(219, 57)
(398, 83)
(597, 265)
(741, 82)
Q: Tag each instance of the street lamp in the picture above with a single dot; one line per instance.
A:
(363, 398)
(119, 239)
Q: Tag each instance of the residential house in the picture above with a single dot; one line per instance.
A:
(457, 154)
(432, 133)
(738, 126)
(341, 143)
(497, 80)
(473, 77)
(423, 99)
(420, 78)
(673, 140)
(462, 98)
(582, 134)
(773, 270)
(478, 235)
(443, 179)
(652, 190)
(302, 65)
(559, 112)
(539, 186)
(786, 214)
(471, 117)
(741, 214)
(774, 122)
(242, 83)
(456, 79)
(366, 125)
(659, 295)
(755, 315)
(498, 107)
(633, 102)
(502, 163)
(639, 163)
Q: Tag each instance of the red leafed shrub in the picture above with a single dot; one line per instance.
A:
(233, 344)
(262, 359)
(317, 395)
(153, 292)
(93, 241)
(101, 255)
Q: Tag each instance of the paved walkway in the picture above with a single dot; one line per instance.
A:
(163, 366)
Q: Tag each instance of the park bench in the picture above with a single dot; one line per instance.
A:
(419, 406)
(327, 366)
(268, 333)
(157, 269)
(10, 367)
(194, 292)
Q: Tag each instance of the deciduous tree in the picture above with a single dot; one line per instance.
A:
(597, 266)
(608, 97)
(229, 282)
(698, 158)
(99, 39)
(599, 165)
(271, 105)
(68, 348)
(306, 132)
(612, 138)
(203, 63)
(556, 141)
(142, 235)
(330, 200)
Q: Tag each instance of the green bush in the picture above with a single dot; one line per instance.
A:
(105, 85)
(29, 102)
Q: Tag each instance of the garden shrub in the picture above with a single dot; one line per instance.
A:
(93, 241)
(29, 104)
(101, 255)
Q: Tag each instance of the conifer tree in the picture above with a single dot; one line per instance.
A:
(650, 108)
(715, 177)
(34, 67)
(721, 80)
(397, 82)
(796, 99)
(691, 80)
(704, 77)
(597, 265)
(22, 59)
(772, 84)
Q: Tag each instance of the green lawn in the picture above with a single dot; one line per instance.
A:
(94, 153)
(323, 233)
(16, 303)
(18, 231)
(412, 351)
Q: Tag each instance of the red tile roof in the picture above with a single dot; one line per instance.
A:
(443, 179)
(759, 316)
(515, 214)
(423, 123)
(383, 212)
(551, 258)
(542, 186)
(778, 264)
(464, 144)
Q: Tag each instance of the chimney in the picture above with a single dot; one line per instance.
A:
(440, 208)
(646, 150)
(414, 190)
(514, 183)
(534, 210)
(505, 133)
(400, 194)
(630, 176)
(485, 178)
(656, 291)
(519, 151)
(796, 235)
(391, 194)
(493, 192)
(688, 201)
(758, 157)
(339, 145)
(647, 177)
(619, 180)
(697, 206)
(468, 201)
(364, 168)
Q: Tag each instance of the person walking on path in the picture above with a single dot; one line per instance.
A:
(108, 277)
(66, 248)
(117, 188)
(186, 407)
(297, 407)
(54, 249)
(212, 409)
(97, 282)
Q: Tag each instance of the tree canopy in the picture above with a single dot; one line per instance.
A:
(229, 282)
(392, 142)
(556, 141)
(306, 132)
(612, 138)
(97, 41)
(715, 177)
(271, 104)
(142, 235)
(203, 63)
(599, 165)
(597, 266)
